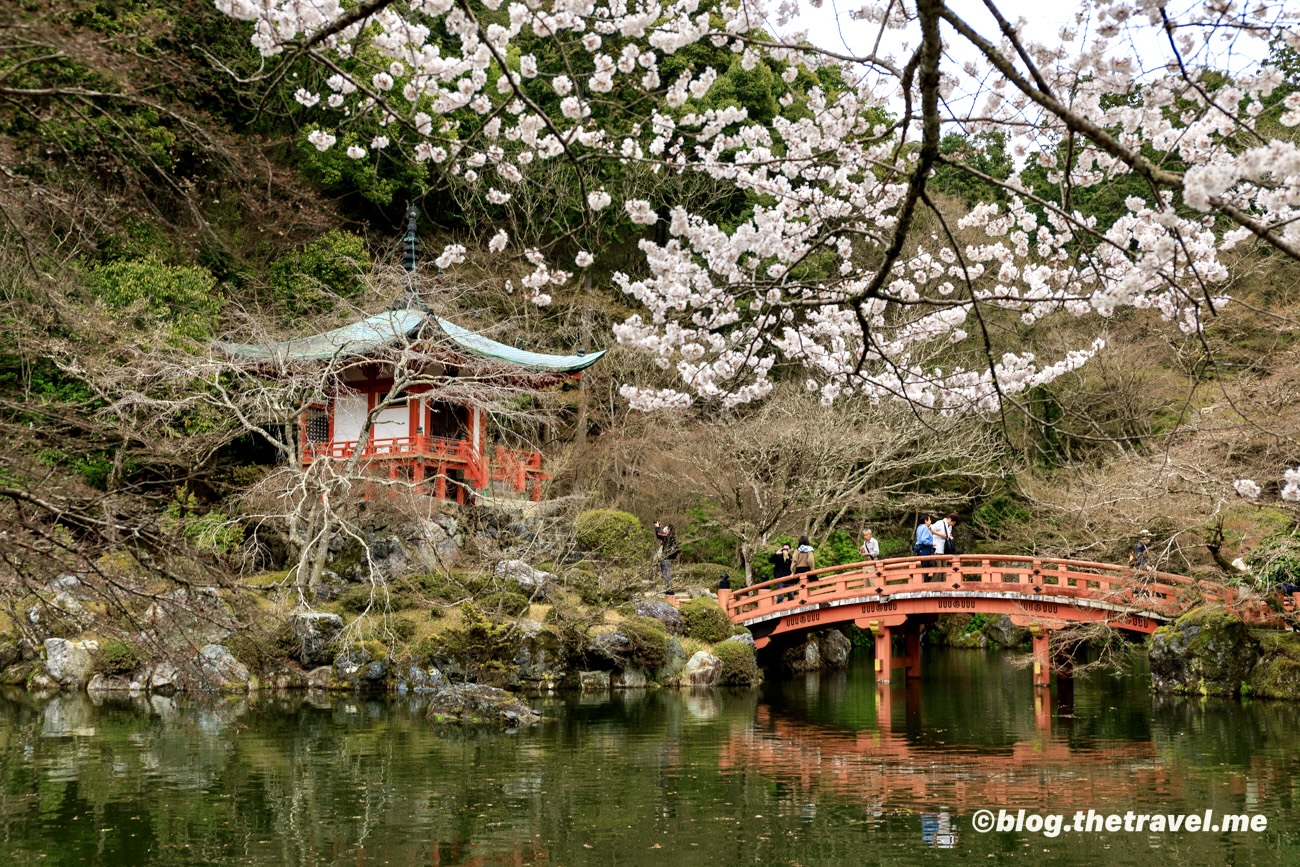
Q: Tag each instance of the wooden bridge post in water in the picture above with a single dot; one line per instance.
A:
(1042, 655)
(884, 651)
(913, 648)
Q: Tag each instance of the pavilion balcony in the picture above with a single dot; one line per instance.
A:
(430, 461)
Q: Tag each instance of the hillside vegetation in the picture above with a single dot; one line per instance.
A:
(158, 193)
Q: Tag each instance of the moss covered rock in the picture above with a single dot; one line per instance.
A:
(739, 663)
(705, 620)
(1277, 674)
(1205, 652)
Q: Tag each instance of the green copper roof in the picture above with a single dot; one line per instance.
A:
(479, 345)
(395, 327)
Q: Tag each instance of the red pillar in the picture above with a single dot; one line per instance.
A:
(1042, 656)
(884, 652)
(913, 650)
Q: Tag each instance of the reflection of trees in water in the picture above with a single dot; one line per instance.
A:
(304, 780)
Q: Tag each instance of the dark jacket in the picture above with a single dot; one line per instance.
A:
(780, 565)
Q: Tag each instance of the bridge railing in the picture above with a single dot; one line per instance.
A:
(1162, 593)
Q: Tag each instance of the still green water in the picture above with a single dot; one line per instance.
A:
(806, 771)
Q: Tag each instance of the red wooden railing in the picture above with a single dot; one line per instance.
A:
(419, 445)
(1162, 594)
(523, 469)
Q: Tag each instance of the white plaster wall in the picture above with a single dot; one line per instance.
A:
(349, 416)
(392, 422)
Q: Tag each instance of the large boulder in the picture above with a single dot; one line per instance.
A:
(412, 677)
(1001, 631)
(358, 670)
(163, 678)
(835, 649)
(70, 663)
(629, 678)
(1277, 674)
(476, 704)
(594, 681)
(675, 663)
(540, 662)
(1206, 652)
(220, 669)
(702, 669)
(534, 581)
(314, 632)
(113, 683)
(819, 651)
(186, 617)
(668, 615)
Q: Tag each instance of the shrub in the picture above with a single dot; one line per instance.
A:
(705, 620)
(116, 656)
(334, 264)
(510, 601)
(402, 628)
(210, 531)
(485, 650)
(147, 291)
(611, 534)
(359, 597)
(739, 663)
(710, 541)
(260, 651)
(647, 643)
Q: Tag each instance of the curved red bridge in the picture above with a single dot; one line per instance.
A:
(895, 596)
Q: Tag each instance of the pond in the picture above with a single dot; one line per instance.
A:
(813, 770)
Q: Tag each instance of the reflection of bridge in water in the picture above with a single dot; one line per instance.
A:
(878, 768)
(896, 597)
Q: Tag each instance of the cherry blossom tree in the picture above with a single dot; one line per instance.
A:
(837, 257)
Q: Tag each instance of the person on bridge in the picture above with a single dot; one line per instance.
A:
(925, 545)
(940, 530)
(870, 547)
(802, 560)
(943, 530)
(803, 557)
(924, 538)
(1140, 559)
(781, 567)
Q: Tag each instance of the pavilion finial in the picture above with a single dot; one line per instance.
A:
(410, 299)
(411, 255)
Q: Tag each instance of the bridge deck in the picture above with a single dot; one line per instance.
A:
(1032, 590)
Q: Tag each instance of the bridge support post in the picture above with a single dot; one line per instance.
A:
(884, 651)
(1042, 656)
(913, 645)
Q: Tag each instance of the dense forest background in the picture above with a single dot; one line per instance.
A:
(159, 193)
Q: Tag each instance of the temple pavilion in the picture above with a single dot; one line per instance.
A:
(417, 434)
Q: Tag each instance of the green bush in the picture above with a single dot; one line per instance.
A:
(510, 601)
(148, 291)
(117, 657)
(334, 264)
(647, 643)
(211, 531)
(402, 628)
(358, 597)
(611, 535)
(486, 650)
(739, 663)
(705, 620)
(259, 651)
